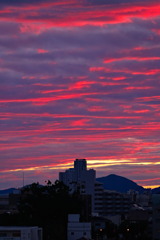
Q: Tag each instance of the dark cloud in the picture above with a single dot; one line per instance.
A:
(105, 2)
(4, 3)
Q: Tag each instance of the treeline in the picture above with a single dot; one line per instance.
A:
(45, 206)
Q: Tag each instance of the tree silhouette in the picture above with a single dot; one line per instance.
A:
(47, 207)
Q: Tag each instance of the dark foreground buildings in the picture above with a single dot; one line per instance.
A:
(81, 208)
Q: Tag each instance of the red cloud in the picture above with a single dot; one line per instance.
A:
(138, 88)
(125, 70)
(139, 59)
(42, 50)
(76, 14)
(146, 99)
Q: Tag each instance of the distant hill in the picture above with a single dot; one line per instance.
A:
(156, 190)
(119, 184)
(7, 191)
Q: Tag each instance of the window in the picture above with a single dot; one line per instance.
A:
(97, 224)
(16, 234)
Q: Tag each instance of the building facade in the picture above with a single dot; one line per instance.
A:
(115, 203)
(76, 229)
(20, 233)
(80, 179)
(156, 216)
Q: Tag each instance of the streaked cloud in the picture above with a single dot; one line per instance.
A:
(79, 79)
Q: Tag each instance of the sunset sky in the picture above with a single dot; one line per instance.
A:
(79, 79)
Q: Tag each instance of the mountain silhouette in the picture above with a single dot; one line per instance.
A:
(111, 182)
(119, 184)
(7, 191)
(156, 190)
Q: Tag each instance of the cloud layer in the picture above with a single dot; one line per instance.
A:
(79, 79)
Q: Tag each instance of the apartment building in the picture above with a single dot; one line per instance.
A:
(104, 202)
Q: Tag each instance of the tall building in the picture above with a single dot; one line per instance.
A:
(80, 179)
(103, 202)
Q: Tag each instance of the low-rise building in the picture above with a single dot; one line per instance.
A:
(20, 233)
(156, 216)
(4, 203)
(76, 229)
(115, 203)
(9, 202)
